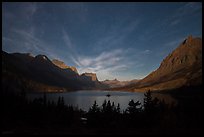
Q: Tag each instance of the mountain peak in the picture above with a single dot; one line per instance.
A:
(59, 63)
(116, 79)
(187, 53)
(91, 75)
(180, 65)
(189, 39)
(62, 65)
(30, 54)
(41, 57)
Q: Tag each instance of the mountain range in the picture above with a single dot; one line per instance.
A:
(39, 73)
(182, 67)
(116, 83)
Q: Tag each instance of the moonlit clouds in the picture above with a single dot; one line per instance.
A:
(106, 62)
(118, 40)
(28, 42)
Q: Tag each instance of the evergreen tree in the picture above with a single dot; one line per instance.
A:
(109, 107)
(134, 107)
(94, 108)
(148, 101)
(104, 106)
(118, 108)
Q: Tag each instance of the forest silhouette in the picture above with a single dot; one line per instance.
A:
(42, 116)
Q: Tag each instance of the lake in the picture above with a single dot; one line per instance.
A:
(84, 99)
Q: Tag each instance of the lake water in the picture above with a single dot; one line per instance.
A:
(84, 99)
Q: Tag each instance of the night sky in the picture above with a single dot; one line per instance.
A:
(115, 40)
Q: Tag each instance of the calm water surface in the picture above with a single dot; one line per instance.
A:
(84, 99)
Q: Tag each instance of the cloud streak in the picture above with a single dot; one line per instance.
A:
(186, 10)
(112, 40)
(108, 59)
(70, 47)
(189, 8)
(30, 43)
(104, 64)
(116, 35)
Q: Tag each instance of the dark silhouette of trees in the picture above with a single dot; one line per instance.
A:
(134, 107)
(93, 115)
(60, 102)
(118, 108)
(94, 108)
(151, 105)
(148, 103)
(104, 116)
(153, 116)
(104, 106)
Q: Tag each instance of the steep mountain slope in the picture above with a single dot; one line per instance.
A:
(90, 76)
(94, 80)
(183, 67)
(39, 73)
(63, 65)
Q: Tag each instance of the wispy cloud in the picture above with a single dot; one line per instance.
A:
(67, 40)
(116, 35)
(103, 64)
(102, 61)
(79, 10)
(185, 11)
(29, 9)
(106, 62)
(32, 8)
(146, 51)
(189, 8)
(176, 17)
(24, 10)
(28, 42)
(28, 37)
(71, 48)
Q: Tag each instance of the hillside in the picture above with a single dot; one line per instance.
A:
(39, 73)
(182, 67)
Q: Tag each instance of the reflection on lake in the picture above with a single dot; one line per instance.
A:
(84, 99)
